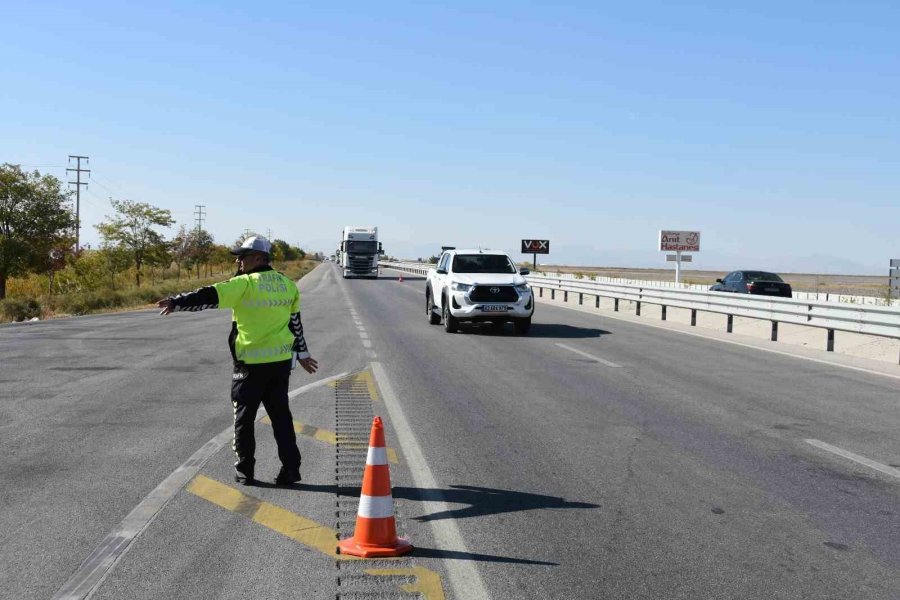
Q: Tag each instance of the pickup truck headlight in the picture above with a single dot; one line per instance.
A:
(523, 288)
(460, 287)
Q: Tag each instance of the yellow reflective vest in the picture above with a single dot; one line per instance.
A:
(262, 303)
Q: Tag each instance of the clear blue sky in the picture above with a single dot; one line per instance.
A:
(772, 127)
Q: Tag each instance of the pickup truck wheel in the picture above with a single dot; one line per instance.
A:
(523, 325)
(433, 317)
(450, 322)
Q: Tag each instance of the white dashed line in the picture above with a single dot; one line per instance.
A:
(856, 458)
(590, 356)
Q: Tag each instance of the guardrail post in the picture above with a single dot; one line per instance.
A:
(830, 344)
(565, 295)
(597, 302)
(693, 317)
(730, 325)
(580, 298)
(541, 292)
(553, 294)
(664, 312)
(615, 304)
(774, 331)
(638, 312)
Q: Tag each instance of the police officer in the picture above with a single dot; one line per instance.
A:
(266, 338)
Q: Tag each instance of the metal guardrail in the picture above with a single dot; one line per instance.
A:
(869, 320)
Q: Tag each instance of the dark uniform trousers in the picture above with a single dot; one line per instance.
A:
(265, 383)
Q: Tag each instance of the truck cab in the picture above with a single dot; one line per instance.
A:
(359, 251)
(478, 286)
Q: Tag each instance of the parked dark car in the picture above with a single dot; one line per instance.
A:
(753, 282)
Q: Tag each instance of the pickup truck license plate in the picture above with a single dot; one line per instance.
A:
(494, 308)
(775, 289)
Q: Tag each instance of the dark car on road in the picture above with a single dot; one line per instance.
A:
(753, 282)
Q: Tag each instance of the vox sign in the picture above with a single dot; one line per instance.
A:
(535, 246)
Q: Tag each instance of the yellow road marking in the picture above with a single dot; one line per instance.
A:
(428, 583)
(323, 435)
(330, 437)
(361, 377)
(366, 377)
(392, 456)
(300, 529)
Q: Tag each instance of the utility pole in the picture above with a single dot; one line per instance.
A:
(199, 215)
(269, 234)
(246, 233)
(78, 183)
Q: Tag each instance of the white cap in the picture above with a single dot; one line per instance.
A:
(254, 243)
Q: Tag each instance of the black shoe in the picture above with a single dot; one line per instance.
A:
(287, 476)
(244, 478)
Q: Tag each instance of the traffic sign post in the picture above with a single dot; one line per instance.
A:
(894, 279)
(678, 242)
(535, 247)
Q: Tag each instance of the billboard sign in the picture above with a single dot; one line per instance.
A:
(679, 241)
(535, 246)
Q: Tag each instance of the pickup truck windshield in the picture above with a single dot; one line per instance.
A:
(482, 263)
(362, 247)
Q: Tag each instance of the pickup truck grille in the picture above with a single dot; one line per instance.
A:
(493, 293)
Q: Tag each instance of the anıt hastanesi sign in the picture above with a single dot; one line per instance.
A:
(679, 241)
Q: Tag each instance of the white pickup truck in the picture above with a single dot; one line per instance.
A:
(478, 286)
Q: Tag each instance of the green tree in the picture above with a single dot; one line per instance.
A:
(284, 251)
(180, 247)
(132, 229)
(201, 248)
(35, 218)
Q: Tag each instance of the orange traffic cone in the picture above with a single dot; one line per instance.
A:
(376, 531)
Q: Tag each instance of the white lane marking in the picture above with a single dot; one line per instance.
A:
(367, 343)
(732, 342)
(463, 574)
(94, 570)
(363, 335)
(371, 354)
(855, 458)
(590, 356)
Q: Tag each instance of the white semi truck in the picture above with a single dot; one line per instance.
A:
(359, 251)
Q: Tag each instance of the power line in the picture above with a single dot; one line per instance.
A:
(30, 166)
(119, 191)
(199, 215)
(78, 183)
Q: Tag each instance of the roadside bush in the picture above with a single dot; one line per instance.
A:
(19, 309)
(578, 275)
(87, 302)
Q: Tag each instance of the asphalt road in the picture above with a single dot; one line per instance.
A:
(594, 458)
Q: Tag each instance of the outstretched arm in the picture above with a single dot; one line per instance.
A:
(201, 299)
